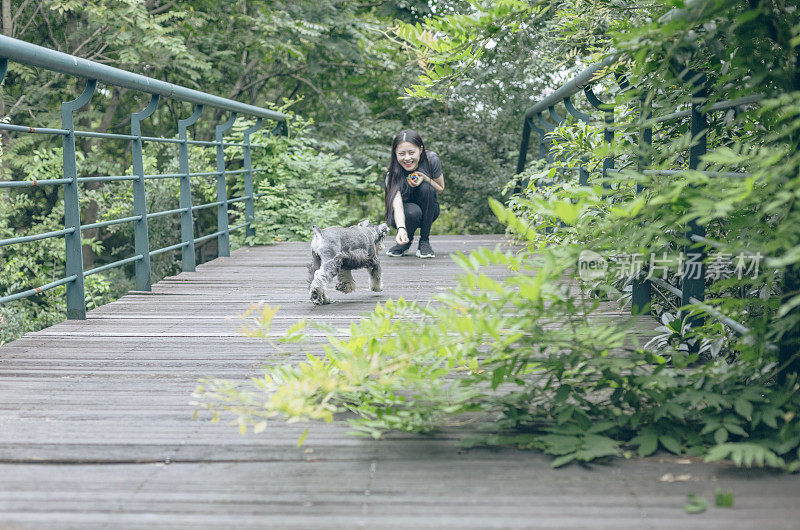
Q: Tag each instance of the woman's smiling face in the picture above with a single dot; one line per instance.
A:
(408, 155)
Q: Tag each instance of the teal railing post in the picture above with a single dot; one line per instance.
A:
(140, 234)
(523, 146)
(76, 302)
(693, 286)
(528, 126)
(641, 292)
(187, 218)
(543, 149)
(249, 202)
(608, 131)
(583, 173)
(223, 240)
(544, 143)
(608, 137)
(523, 152)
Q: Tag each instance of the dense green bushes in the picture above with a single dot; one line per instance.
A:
(307, 185)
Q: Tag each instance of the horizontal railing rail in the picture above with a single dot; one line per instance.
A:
(33, 55)
(13, 50)
(692, 288)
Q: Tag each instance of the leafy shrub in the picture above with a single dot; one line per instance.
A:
(305, 185)
(578, 390)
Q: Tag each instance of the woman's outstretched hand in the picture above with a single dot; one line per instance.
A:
(401, 237)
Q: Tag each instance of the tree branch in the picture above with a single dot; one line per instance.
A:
(50, 32)
(116, 95)
(319, 92)
(92, 36)
(99, 53)
(237, 88)
(159, 10)
(371, 4)
(386, 112)
(33, 17)
(20, 9)
(267, 77)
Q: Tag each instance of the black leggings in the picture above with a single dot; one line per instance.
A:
(421, 210)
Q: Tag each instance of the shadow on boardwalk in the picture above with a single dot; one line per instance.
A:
(96, 429)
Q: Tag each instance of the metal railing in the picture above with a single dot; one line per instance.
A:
(94, 73)
(691, 291)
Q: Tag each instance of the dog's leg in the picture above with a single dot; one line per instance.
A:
(322, 277)
(375, 280)
(316, 263)
(346, 282)
(317, 289)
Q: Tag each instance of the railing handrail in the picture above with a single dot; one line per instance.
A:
(691, 294)
(38, 56)
(571, 87)
(34, 55)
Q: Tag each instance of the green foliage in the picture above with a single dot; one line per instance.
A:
(42, 262)
(579, 391)
(307, 186)
(723, 498)
(448, 46)
(747, 454)
(695, 504)
(523, 350)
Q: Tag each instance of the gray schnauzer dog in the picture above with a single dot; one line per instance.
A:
(336, 251)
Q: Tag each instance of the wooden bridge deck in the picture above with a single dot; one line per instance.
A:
(96, 430)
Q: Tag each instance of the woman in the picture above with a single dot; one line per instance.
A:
(413, 182)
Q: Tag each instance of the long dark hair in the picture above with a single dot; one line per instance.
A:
(396, 175)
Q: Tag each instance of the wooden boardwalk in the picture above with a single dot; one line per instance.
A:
(96, 429)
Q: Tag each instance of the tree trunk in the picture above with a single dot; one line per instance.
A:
(8, 30)
(91, 209)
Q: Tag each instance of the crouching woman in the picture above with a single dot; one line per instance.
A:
(413, 182)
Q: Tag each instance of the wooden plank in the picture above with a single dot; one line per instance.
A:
(96, 427)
